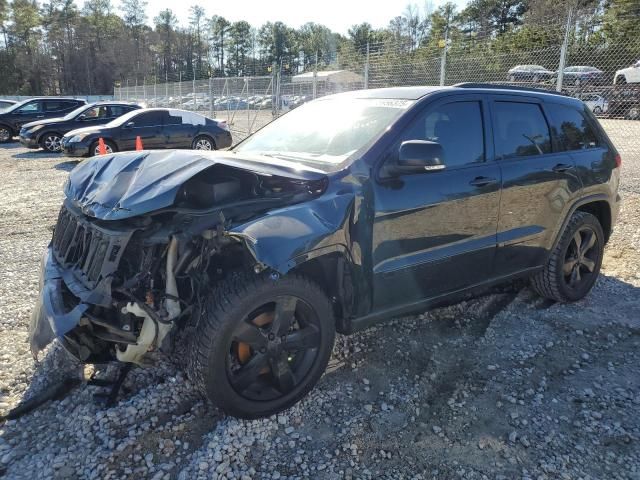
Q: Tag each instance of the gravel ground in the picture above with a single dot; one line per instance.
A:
(504, 386)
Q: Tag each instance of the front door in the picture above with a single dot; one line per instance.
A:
(146, 125)
(29, 112)
(435, 232)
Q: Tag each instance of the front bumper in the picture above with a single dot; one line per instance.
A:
(29, 141)
(75, 149)
(51, 317)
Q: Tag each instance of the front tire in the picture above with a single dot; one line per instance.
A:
(5, 134)
(51, 142)
(261, 343)
(573, 266)
(109, 147)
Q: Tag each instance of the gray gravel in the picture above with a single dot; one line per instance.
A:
(504, 386)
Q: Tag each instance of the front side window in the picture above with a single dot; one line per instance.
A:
(571, 128)
(32, 107)
(457, 127)
(520, 130)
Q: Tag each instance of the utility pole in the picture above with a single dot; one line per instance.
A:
(563, 50)
(366, 70)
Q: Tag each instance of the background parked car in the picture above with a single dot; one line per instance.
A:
(156, 127)
(596, 102)
(582, 75)
(625, 104)
(14, 117)
(6, 103)
(48, 133)
(530, 73)
(628, 75)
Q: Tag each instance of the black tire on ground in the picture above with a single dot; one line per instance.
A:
(6, 134)
(573, 266)
(109, 145)
(260, 343)
(50, 142)
(203, 142)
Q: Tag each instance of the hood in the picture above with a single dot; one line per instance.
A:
(85, 131)
(124, 185)
(43, 122)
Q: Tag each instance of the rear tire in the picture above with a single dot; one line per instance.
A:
(203, 142)
(573, 266)
(260, 344)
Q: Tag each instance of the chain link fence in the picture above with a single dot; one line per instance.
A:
(570, 57)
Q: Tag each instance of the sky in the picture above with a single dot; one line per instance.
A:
(338, 15)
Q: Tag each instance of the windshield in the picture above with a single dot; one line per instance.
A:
(75, 112)
(326, 130)
(121, 120)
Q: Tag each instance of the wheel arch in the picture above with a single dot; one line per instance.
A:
(332, 269)
(597, 205)
(205, 135)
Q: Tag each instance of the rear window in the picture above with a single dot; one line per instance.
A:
(571, 128)
(520, 130)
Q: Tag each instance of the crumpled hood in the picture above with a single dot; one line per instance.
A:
(124, 185)
(42, 122)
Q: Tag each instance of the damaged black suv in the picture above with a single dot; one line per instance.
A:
(352, 208)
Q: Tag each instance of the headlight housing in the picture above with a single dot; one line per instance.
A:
(76, 138)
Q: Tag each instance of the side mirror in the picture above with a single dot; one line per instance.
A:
(130, 124)
(82, 116)
(419, 156)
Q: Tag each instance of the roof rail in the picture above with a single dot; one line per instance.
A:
(500, 86)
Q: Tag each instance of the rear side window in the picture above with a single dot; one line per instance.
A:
(520, 130)
(54, 106)
(457, 127)
(118, 110)
(172, 120)
(571, 127)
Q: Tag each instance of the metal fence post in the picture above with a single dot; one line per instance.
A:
(210, 98)
(180, 89)
(193, 90)
(563, 52)
(155, 90)
(443, 60)
(144, 90)
(315, 77)
(127, 89)
(366, 70)
(166, 86)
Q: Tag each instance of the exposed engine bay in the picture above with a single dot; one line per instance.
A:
(118, 285)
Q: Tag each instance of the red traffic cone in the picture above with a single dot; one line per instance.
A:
(102, 149)
(139, 143)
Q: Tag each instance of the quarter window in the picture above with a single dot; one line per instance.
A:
(571, 128)
(520, 130)
(457, 127)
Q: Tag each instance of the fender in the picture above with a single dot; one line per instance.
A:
(285, 238)
(598, 197)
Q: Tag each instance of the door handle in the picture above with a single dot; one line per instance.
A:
(482, 181)
(562, 167)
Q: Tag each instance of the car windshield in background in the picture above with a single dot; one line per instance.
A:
(325, 131)
(75, 112)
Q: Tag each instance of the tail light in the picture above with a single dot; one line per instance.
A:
(618, 160)
(223, 125)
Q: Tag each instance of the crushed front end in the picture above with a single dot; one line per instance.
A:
(140, 241)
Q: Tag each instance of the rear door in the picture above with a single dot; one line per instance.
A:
(178, 133)
(435, 232)
(148, 126)
(539, 183)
